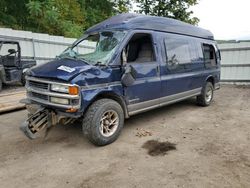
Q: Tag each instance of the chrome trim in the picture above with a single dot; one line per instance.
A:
(50, 93)
(53, 104)
(48, 81)
(155, 103)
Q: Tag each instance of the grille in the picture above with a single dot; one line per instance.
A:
(40, 96)
(38, 85)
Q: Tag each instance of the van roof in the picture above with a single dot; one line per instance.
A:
(139, 21)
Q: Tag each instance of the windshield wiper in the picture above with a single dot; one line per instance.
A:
(100, 64)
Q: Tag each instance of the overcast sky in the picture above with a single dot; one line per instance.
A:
(227, 19)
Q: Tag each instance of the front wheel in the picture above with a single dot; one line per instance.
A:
(206, 96)
(103, 122)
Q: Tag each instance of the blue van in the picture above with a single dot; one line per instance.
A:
(123, 66)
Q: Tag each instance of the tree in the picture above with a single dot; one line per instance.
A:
(58, 17)
(13, 13)
(71, 17)
(177, 9)
(99, 10)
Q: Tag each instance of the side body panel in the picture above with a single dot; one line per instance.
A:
(190, 77)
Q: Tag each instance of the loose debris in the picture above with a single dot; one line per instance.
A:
(158, 148)
(142, 132)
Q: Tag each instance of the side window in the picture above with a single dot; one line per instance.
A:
(182, 50)
(177, 51)
(140, 49)
(209, 54)
(199, 51)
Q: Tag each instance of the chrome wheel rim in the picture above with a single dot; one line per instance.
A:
(109, 123)
(209, 94)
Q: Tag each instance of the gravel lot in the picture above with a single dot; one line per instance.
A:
(212, 149)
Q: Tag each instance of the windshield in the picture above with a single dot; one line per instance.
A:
(95, 48)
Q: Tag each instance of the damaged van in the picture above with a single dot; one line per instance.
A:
(123, 66)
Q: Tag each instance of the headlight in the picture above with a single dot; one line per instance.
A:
(60, 88)
(59, 100)
(72, 90)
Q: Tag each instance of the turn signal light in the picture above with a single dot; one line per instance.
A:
(71, 110)
(73, 90)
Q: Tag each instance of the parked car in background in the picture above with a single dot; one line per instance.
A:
(12, 66)
(133, 63)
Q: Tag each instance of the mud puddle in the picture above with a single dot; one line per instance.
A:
(156, 148)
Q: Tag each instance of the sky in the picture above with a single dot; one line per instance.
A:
(226, 19)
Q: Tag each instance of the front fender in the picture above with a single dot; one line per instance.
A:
(113, 91)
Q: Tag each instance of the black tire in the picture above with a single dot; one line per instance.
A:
(93, 119)
(23, 80)
(1, 84)
(206, 96)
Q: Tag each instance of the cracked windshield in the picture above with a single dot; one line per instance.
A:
(96, 49)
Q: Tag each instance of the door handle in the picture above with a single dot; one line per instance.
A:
(158, 69)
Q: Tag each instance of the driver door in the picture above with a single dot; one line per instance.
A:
(144, 93)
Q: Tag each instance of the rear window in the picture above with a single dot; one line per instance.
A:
(209, 54)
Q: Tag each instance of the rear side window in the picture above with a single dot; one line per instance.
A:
(209, 54)
(177, 51)
(181, 50)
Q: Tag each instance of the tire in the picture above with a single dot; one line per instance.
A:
(23, 80)
(97, 122)
(206, 96)
(1, 84)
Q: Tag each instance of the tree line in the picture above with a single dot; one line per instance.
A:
(71, 17)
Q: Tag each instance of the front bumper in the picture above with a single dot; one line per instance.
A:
(40, 118)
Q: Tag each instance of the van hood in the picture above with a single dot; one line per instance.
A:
(62, 69)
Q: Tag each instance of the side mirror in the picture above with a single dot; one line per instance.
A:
(129, 76)
(12, 51)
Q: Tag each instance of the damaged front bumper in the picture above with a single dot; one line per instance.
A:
(40, 118)
(43, 118)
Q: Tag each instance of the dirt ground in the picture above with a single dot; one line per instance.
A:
(12, 88)
(208, 147)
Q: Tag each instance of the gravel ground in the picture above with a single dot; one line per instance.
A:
(181, 145)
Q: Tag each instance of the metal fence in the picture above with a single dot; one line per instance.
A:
(235, 62)
(235, 65)
(37, 46)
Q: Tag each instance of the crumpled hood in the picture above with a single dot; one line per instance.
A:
(62, 69)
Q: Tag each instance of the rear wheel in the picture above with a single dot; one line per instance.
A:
(103, 122)
(206, 96)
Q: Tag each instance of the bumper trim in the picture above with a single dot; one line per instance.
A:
(44, 102)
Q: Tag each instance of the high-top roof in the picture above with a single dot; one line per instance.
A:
(138, 21)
